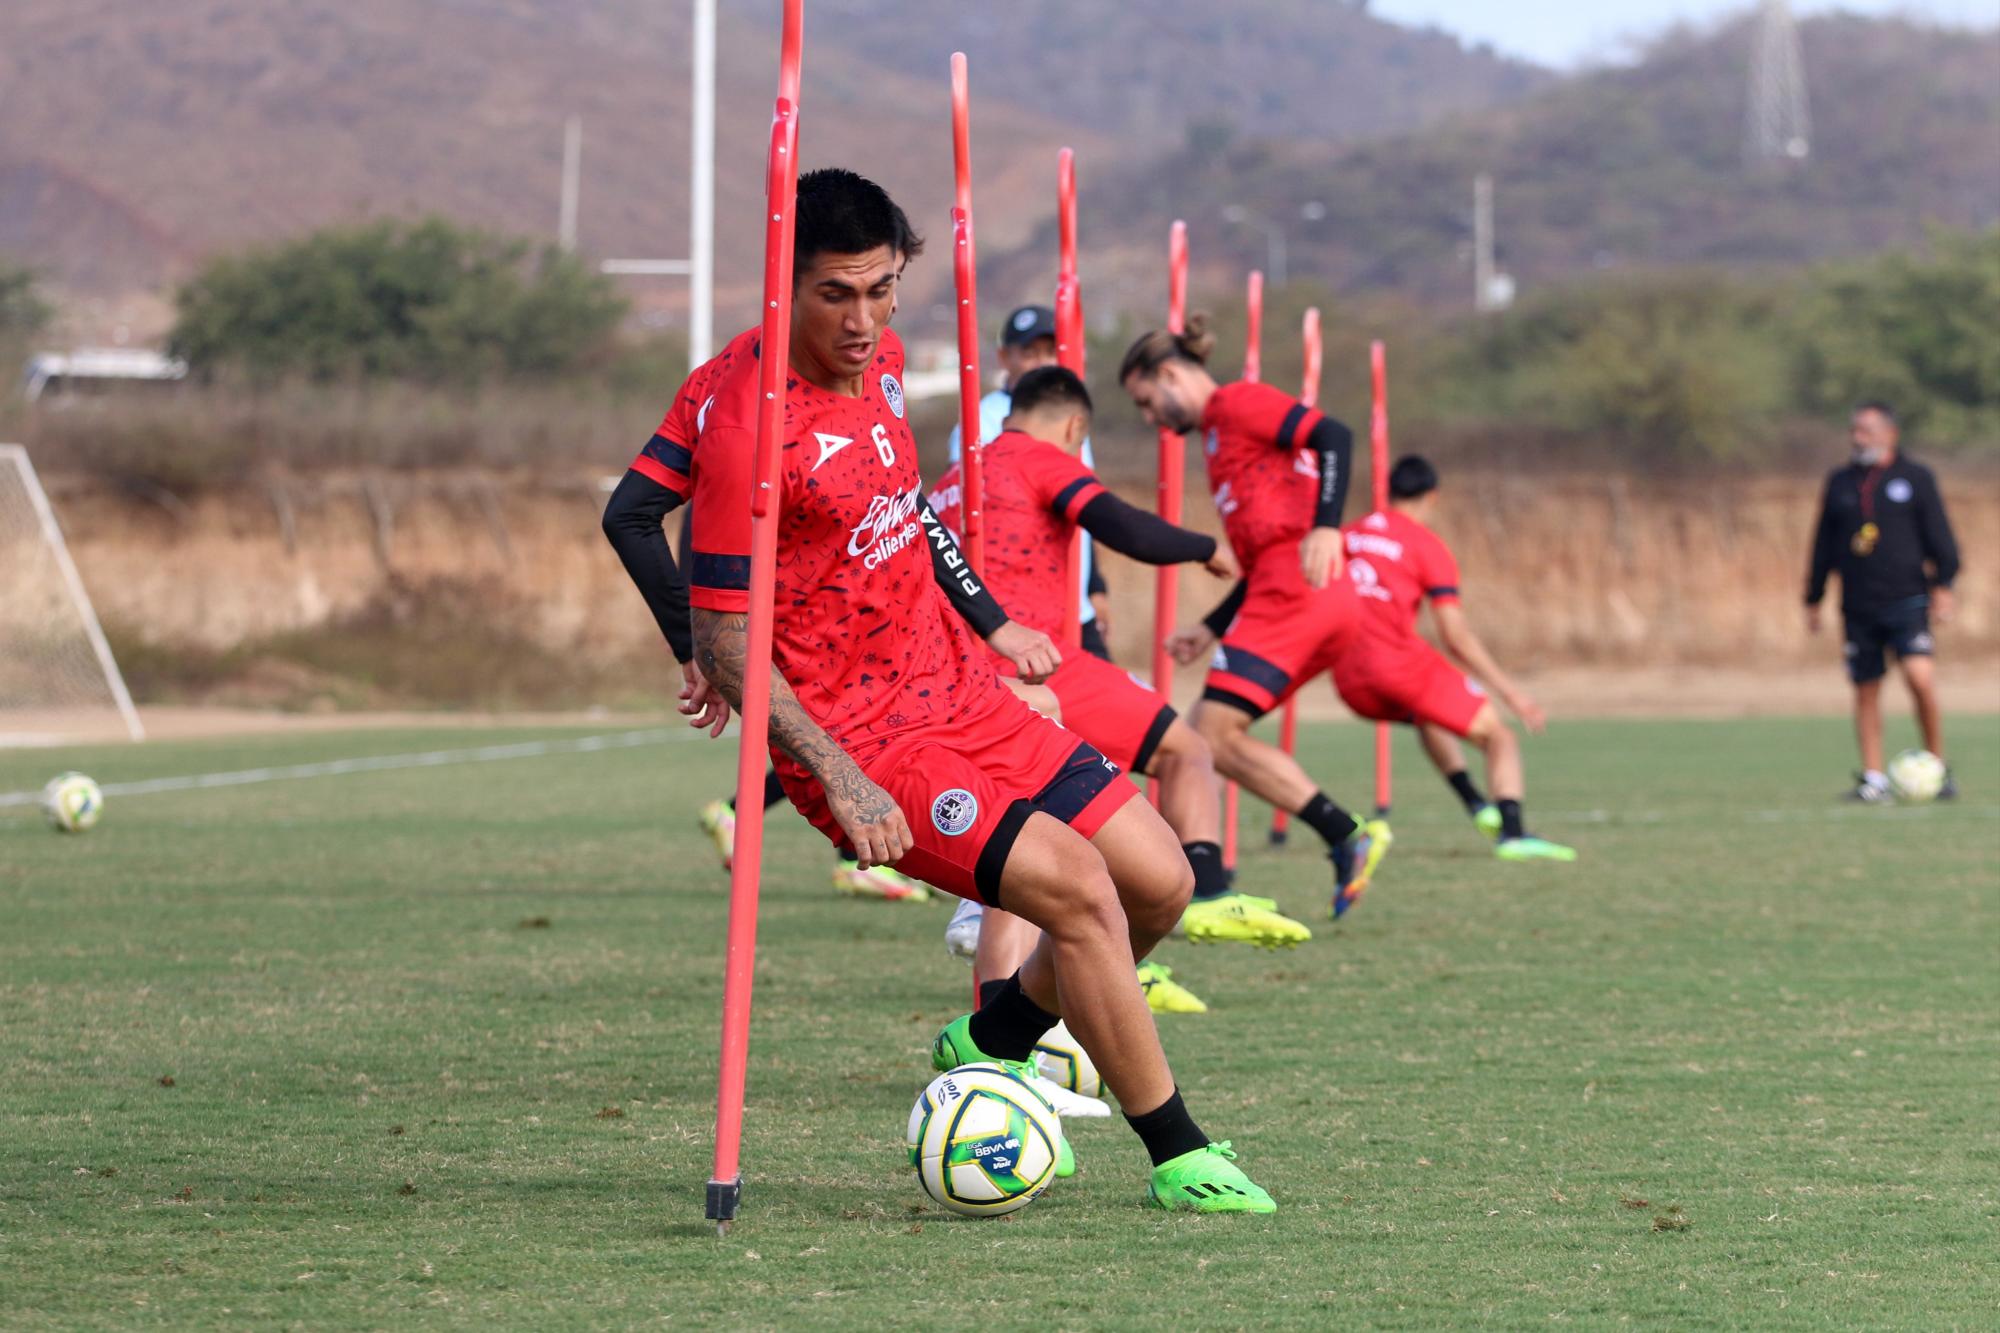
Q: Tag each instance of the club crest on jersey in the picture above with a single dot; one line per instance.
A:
(892, 394)
(954, 811)
(1898, 490)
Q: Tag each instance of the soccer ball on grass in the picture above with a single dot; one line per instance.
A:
(1916, 776)
(985, 1142)
(72, 803)
(1063, 1062)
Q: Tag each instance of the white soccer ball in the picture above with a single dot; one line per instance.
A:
(1916, 776)
(986, 1142)
(72, 803)
(1063, 1062)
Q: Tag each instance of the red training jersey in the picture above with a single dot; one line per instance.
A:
(862, 632)
(1264, 478)
(668, 456)
(1034, 492)
(1395, 563)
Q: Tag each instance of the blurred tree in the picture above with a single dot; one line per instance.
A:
(428, 300)
(23, 312)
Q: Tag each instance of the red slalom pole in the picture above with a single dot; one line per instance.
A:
(1253, 372)
(1173, 468)
(781, 180)
(1378, 459)
(1288, 721)
(964, 271)
(1071, 352)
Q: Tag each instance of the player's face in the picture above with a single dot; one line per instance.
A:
(843, 304)
(1872, 434)
(1165, 399)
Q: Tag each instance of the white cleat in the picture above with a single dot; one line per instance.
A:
(961, 937)
(1069, 1105)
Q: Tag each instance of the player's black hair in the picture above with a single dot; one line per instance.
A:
(1877, 405)
(842, 213)
(1049, 386)
(1412, 476)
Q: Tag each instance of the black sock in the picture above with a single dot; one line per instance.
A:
(1168, 1130)
(1510, 819)
(1328, 820)
(989, 989)
(774, 791)
(1008, 1025)
(1461, 782)
(1210, 879)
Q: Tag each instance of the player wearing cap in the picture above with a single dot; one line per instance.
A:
(1390, 674)
(1278, 470)
(890, 730)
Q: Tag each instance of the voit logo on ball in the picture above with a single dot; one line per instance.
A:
(954, 811)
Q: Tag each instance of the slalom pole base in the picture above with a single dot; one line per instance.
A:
(1279, 837)
(723, 1198)
(1381, 812)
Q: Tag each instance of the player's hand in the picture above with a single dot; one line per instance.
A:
(1320, 557)
(1221, 565)
(1943, 605)
(869, 817)
(1190, 644)
(1812, 619)
(1531, 714)
(701, 702)
(1033, 653)
(1100, 605)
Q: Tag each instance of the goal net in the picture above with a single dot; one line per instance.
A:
(57, 677)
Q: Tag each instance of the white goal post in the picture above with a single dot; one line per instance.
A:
(52, 650)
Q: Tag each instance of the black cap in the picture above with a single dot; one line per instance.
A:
(1027, 324)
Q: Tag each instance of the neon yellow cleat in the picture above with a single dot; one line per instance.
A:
(1355, 862)
(884, 882)
(1164, 995)
(1232, 917)
(1531, 848)
(1487, 820)
(718, 821)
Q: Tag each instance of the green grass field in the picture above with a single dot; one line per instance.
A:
(436, 1047)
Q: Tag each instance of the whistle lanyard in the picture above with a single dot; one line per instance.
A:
(1866, 537)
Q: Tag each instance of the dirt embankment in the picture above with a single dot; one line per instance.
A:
(477, 575)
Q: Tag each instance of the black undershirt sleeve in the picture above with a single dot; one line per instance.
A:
(1224, 615)
(1130, 530)
(968, 595)
(1334, 443)
(1093, 583)
(632, 521)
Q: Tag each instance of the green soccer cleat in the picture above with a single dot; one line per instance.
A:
(1487, 820)
(1531, 848)
(884, 882)
(1236, 918)
(1207, 1180)
(1164, 995)
(954, 1047)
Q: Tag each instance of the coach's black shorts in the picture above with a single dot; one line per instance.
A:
(1903, 628)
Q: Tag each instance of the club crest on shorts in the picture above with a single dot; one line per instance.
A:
(892, 394)
(954, 811)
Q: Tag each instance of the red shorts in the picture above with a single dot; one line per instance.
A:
(1420, 686)
(1110, 708)
(966, 787)
(1286, 634)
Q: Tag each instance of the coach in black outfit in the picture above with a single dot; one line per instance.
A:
(1882, 528)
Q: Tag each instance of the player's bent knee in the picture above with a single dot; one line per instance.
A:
(1057, 880)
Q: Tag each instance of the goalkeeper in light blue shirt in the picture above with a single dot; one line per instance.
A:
(1028, 340)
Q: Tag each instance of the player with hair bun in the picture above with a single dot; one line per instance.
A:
(1279, 471)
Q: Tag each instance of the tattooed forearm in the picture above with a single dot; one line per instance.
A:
(722, 646)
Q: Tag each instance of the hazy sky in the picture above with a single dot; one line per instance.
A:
(1564, 32)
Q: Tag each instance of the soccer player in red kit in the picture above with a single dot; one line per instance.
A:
(1038, 492)
(1278, 470)
(1396, 563)
(891, 732)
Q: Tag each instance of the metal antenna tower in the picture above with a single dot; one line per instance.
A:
(1777, 127)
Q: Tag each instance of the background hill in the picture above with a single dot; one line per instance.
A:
(136, 140)
(1629, 167)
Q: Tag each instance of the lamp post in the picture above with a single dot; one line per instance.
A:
(1274, 234)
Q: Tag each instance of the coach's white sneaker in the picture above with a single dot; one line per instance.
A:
(1069, 1105)
(961, 937)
